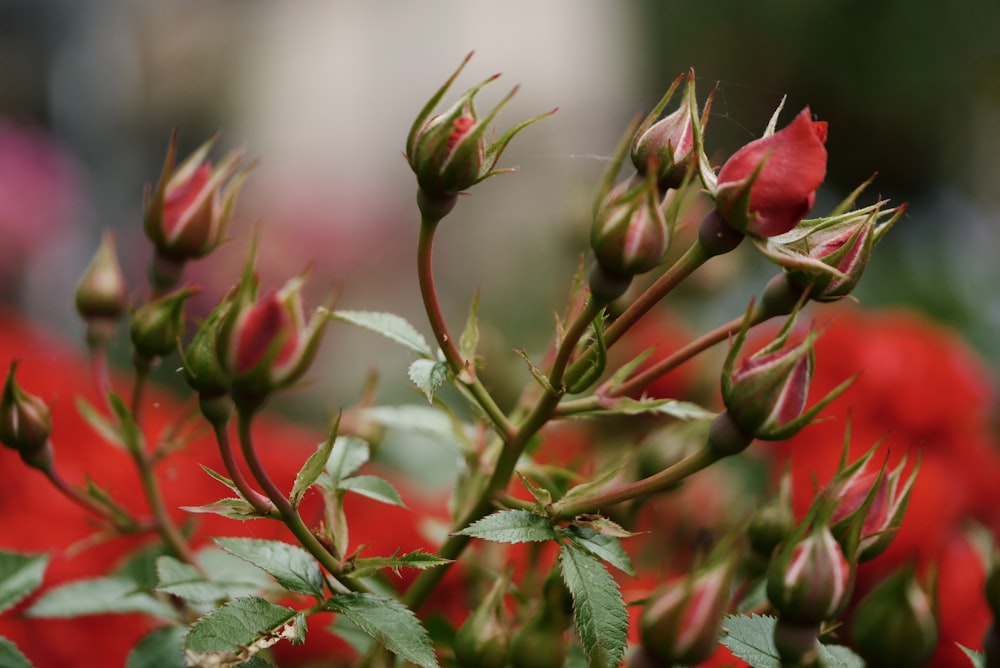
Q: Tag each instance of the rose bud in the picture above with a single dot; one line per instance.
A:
(774, 521)
(682, 623)
(869, 505)
(448, 151)
(101, 294)
(669, 143)
(810, 579)
(894, 624)
(827, 256)
(157, 326)
(765, 395)
(265, 345)
(186, 216)
(25, 423)
(769, 185)
(630, 233)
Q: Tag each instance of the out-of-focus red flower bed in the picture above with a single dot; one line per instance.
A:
(924, 392)
(36, 518)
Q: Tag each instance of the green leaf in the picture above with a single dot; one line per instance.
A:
(584, 490)
(363, 568)
(11, 657)
(535, 372)
(389, 325)
(159, 649)
(977, 658)
(682, 410)
(235, 509)
(238, 630)
(469, 340)
(373, 487)
(390, 623)
(604, 526)
(99, 595)
(130, 434)
(228, 482)
(598, 607)
(349, 632)
(236, 575)
(511, 526)
(423, 419)
(314, 466)
(294, 568)
(349, 454)
(179, 579)
(20, 576)
(601, 546)
(428, 376)
(101, 425)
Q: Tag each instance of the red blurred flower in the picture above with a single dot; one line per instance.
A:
(770, 184)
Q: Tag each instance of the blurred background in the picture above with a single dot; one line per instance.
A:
(323, 93)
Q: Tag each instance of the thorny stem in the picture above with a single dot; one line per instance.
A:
(259, 502)
(289, 515)
(464, 370)
(453, 547)
(654, 483)
(121, 524)
(695, 256)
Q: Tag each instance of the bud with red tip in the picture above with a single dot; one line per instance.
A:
(265, 345)
(682, 623)
(101, 295)
(448, 152)
(187, 214)
(810, 580)
(869, 504)
(25, 423)
(769, 185)
(894, 624)
(157, 326)
(669, 144)
(630, 233)
(766, 393)
(828, 255)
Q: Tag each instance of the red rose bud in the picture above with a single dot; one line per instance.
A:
(186, 216)
(448, 152)
(157, 326)
(810, 580)
(101, 294)
(669, 143)
(770, 184)
(630, 233)
(25, 423)
(828, 255)
(682, 623)
(765, 396)
(869, 505)
(894, 624)
(267, 345)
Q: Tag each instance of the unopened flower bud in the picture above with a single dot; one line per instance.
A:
(894, 624)
(25, 423)
(630, 234)
(681, 624)
(770, 184)
(766, 394)
(101, 294)
(448, 152)
(774, 521)
(668, 143)
(267, 345)
(187, 214)
(810, 580)
(157, 326)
